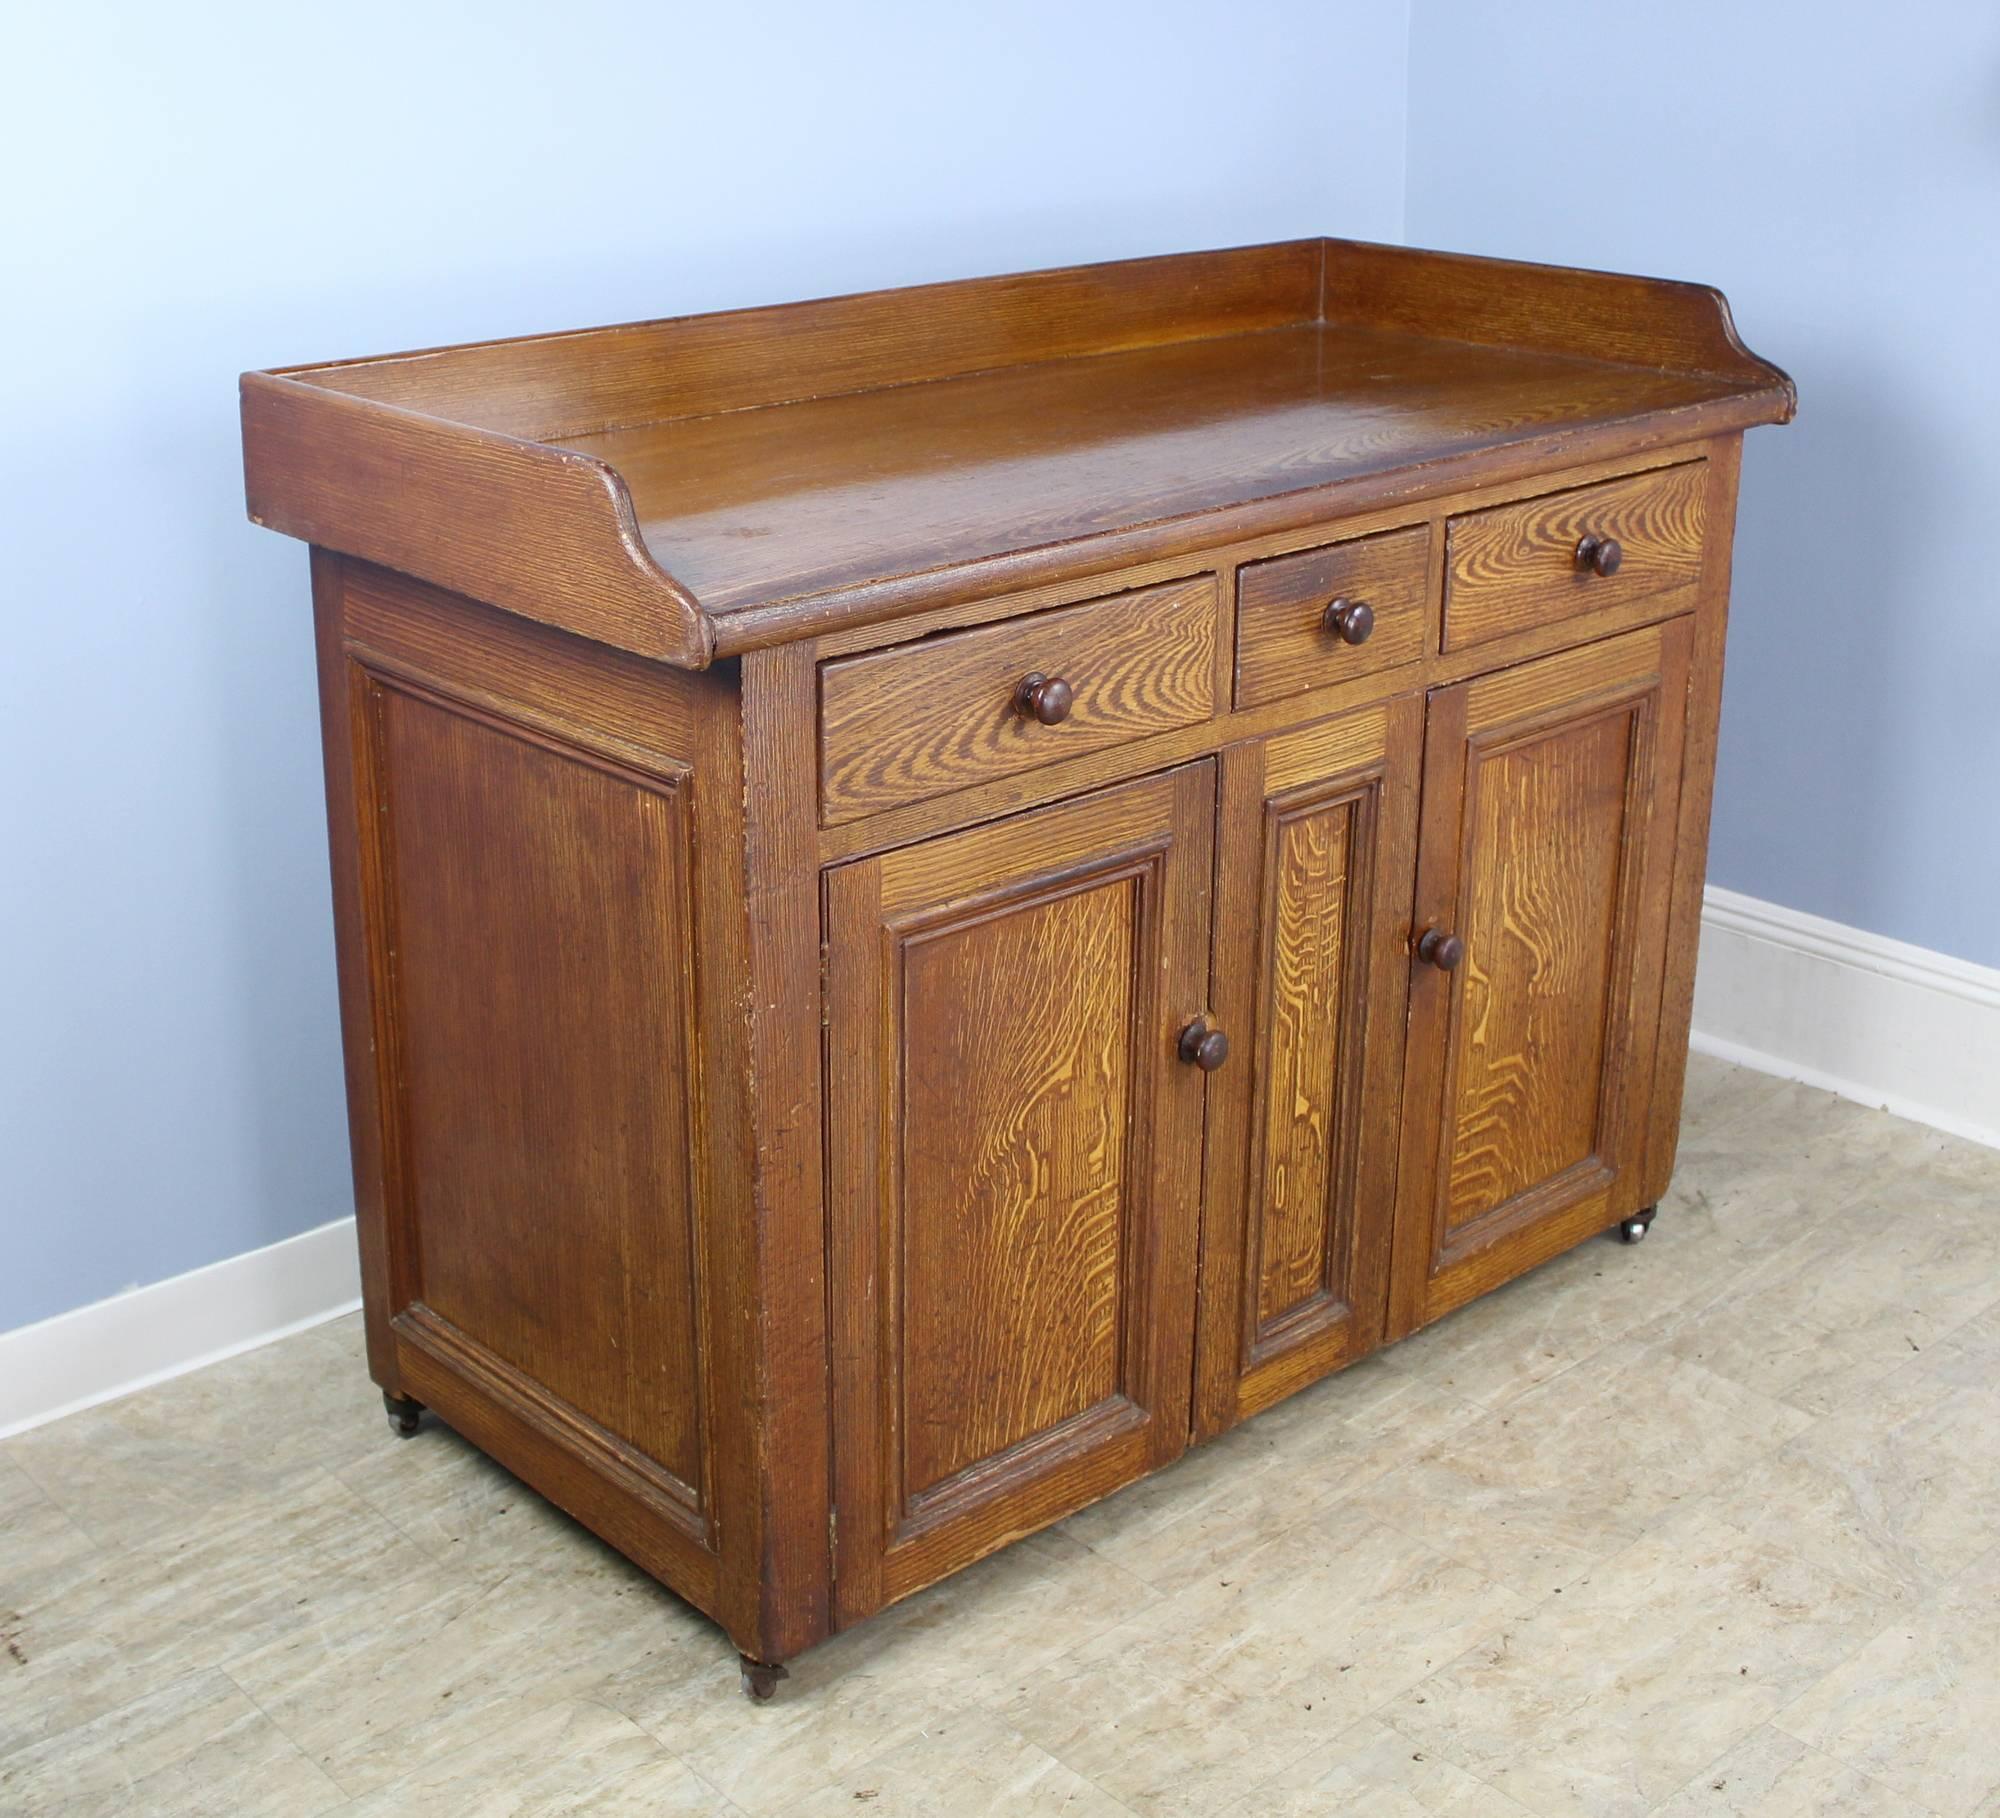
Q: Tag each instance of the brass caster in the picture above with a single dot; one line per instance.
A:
(760, 1679)
(405, 1415)
(1633, 1230)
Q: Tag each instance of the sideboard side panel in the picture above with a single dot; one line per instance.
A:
(364, 1121)
(1704, 714)
(536, 850)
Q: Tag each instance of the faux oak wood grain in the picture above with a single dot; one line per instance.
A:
(1539, 927)
(905, 724)
(870, 486)
(417, 683)
(545, 532)
(1518, 566)
(1015, 1155)
(711, 485)
(943, 893)
(1551, 799)
(1284, 643)
(548, 1088)
(1317, 846)
(785, 1405)
(1704, 715)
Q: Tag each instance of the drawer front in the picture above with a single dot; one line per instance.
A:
(899, 726)
(1529, 563)
(1293, 631)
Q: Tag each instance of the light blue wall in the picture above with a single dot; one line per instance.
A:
(195, 190)
(1835, 167)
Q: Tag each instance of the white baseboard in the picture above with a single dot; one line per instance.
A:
(133, 1340)
(1872, 1019)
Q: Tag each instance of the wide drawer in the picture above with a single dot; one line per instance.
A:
(1325, 615)
(902, 725)
(1539, 560)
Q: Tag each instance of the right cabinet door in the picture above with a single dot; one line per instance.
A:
(1544, 863)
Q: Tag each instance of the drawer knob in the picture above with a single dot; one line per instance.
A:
(1440, 949)
(1046, 698)
(1350, 620)
(1202, 1046)
(1599, 555)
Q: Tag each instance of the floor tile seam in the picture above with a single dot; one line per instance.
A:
(1815, 1415)
(1912, 1367)
(388, 1515)
(1863, 1176)
(342, 1796)
(1512, 1396)
(161, 1542)
(1778, 1718)
(786, 1695)
(1528, 1598)
(501, 1718)
(1712, 1120)
(1417, 1744)
(229, 1666)
(319, 1625)
(1379, 1710)
(990, 1715)
(1155, 1592)
(510, 1719)
(1226, 1692)
(1456, 1440)
(8, 1751)
(1917, 1807)
(1986, 1561)
(1916, 1361)
(1333, 1498)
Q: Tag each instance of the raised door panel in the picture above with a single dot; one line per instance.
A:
(1547, 850)
(1014, 1155)
(1318, 833)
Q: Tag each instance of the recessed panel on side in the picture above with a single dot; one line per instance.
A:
(535, 913)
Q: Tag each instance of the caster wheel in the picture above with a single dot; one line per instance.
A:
(1633, 1230)
(405, 1415)
(760, 1680)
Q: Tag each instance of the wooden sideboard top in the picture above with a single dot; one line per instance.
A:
(705, 485)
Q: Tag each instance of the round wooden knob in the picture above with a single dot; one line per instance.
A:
(1350, 620)
(1599, 555)
(1202, 1046)
(1047, 698)
(1440, 949)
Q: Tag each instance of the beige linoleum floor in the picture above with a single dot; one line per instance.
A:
(1710, 1526)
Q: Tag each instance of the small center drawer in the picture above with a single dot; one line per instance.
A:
(1539, 560)
(1324, 615)
(900, 726)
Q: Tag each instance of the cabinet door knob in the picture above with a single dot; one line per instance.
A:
(1599, 555)
(1440, 949)
(1202, 1046)
(1047, 698)
(1350, 620)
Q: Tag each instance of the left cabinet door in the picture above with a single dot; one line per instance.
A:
(1014, 1165)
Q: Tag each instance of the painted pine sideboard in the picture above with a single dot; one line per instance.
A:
(941, 895)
